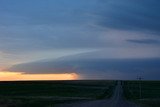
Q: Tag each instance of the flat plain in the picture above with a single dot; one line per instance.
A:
(145, 93)
(48, 93)
(79, 92)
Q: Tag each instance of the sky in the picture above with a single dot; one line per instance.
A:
(79, 39)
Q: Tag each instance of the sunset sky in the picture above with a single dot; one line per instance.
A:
(79, 39)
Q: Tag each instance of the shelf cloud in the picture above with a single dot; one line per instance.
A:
(95, 38)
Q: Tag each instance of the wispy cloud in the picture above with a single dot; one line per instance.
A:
(145, 41)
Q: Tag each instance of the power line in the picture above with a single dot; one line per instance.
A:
(140, 86)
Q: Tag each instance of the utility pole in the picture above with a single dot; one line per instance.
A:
(140, 86)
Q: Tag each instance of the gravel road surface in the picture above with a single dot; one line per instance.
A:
(117, 100)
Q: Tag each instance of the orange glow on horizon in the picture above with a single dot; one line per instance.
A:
(17, 76)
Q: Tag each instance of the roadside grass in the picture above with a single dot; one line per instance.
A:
(33, 102)
(149, 102)
(150, 94)
(44, 93)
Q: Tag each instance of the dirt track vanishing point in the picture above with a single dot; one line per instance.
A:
(117, 100)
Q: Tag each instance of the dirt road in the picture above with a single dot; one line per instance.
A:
(117, 100)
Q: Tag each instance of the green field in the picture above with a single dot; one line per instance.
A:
(44, 93)
(150, 92)
(48, 93)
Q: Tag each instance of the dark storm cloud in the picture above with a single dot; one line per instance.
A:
(40, 25)
(116, 68)
(144, 41)
(47, 25)
(140, 15)
(37, 26)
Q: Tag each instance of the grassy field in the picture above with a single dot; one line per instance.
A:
(45, 93)
(150, 94)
